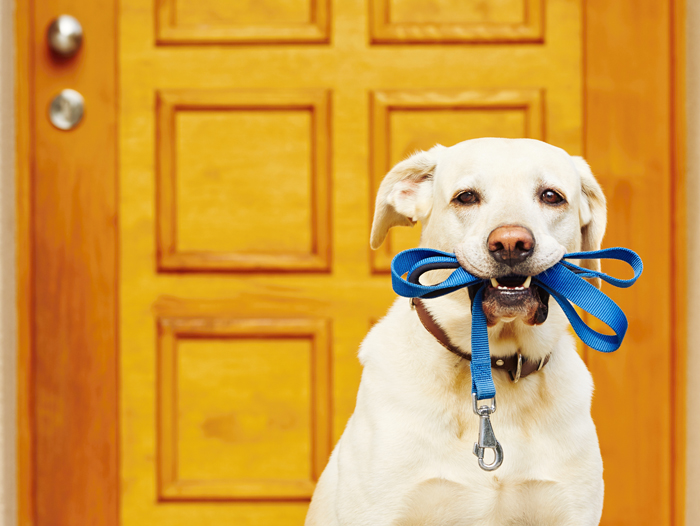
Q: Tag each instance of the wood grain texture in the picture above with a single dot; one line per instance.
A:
(24, 104)
(197, 326)
(441, 117)
(386, 30)
(70, 292)
(173, 27)
(631, 134)
(318, 255)
(679, 263)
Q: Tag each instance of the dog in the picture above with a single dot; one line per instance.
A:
(508, 209)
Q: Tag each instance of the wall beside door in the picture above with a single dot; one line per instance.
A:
(8, 389)
(693, 196)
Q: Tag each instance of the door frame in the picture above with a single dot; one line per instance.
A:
(40, 467)
(68, 451)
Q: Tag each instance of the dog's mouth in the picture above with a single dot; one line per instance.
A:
(510, 297)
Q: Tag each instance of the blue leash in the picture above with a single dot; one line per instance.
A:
(564, 282)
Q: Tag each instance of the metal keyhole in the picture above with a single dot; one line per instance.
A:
(66, 109)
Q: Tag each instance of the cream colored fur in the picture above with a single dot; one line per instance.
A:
(405, 457)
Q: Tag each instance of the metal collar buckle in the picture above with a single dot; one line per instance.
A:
(519, 369)
(487, 439)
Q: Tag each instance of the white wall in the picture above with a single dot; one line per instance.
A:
(693, 196)
(8, 346)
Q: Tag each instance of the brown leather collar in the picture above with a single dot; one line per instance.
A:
(517, 365)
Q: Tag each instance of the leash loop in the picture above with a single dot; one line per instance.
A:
(564, 282)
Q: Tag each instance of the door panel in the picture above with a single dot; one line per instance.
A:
(248, 177)
(220, 435)
(441, 21)
(243, 180)
(250, 21)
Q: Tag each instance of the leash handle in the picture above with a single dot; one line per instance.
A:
(415, 262)
(621, 254)
(566, 287)
(564, 281)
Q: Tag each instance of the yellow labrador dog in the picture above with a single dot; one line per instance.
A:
(508, 208)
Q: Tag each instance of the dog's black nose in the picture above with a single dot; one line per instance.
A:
(511, 244)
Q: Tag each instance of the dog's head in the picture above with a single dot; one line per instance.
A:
(508, 208)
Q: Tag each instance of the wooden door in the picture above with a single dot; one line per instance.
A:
(251, 140)
(253, 137)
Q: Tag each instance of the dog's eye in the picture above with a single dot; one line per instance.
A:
(468, 198)
(551, 197)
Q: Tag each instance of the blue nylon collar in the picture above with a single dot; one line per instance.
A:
(564, 282)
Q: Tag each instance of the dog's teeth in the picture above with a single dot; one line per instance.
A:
(494, 283)
(527, 282)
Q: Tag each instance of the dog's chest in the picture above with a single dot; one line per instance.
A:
(534, 486)
(534, 469)
(492, 502)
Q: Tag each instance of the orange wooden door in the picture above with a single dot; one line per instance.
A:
(252, 137)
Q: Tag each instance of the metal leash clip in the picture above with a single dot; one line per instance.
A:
(487, 440)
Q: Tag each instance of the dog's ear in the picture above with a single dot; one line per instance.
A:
(593, 213)
(405, 195)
